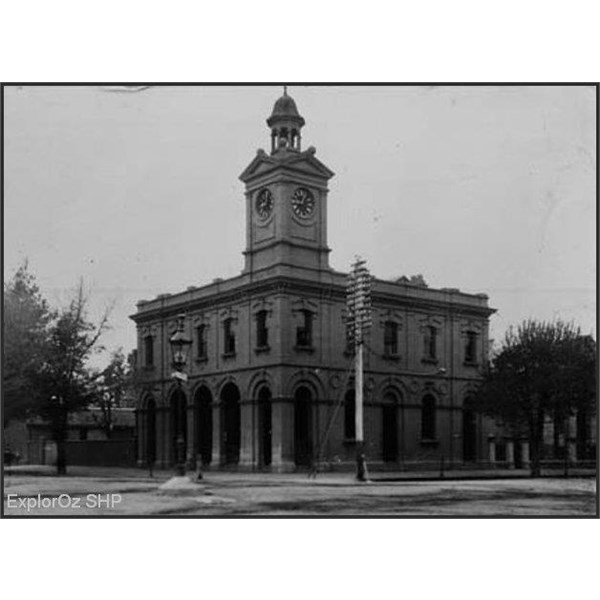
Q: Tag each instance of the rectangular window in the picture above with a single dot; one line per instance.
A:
(390, 338)
(229, 337)
(471, 347)
(304, 332)
(262, 332)
(201, 341)
(149, 351)
(430, 343)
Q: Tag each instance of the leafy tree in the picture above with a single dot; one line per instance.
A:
(27, 319)
(115, 384)
(66, 383)
(542, 370)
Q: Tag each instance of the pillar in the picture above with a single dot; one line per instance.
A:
(492, 450)
(510, 454)
(162, 446)
(282, 434)
(247, 428)
(572, 451)
(216, 435)
(525, 454)
(140, 428)
(190, 453)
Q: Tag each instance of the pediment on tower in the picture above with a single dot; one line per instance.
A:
(302, 162)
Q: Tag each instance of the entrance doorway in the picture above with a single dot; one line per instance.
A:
(389, 427)
(469, 436)
(151, 432)
(230, 424)
(265, 425)
(204, 424)
(302, 427)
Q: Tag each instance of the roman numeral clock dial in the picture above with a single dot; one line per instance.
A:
(303, 203)
(264, 204)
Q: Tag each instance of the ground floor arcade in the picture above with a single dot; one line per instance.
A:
(262, 424)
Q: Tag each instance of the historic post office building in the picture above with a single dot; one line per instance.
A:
(270, 382)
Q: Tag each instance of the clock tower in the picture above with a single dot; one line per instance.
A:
(286, 198)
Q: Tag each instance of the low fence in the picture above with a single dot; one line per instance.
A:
(91, 453)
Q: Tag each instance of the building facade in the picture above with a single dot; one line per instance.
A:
(270, 372)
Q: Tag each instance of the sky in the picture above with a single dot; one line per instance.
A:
(487, 189)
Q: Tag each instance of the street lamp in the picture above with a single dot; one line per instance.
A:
(180, 345)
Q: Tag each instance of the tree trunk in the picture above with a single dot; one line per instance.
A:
(60, 437)
(536, 430)
(61, 457)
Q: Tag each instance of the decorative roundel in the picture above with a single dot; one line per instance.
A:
(303, 202)
(264, 203)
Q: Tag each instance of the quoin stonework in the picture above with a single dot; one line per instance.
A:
(270, 372)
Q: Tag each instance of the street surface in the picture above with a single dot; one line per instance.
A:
(129, 492)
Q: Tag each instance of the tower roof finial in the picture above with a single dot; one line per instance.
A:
(285, 90)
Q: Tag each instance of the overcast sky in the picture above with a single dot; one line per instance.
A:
(488, 189)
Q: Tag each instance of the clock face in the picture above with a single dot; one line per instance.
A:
(264, 203)
(303, 202)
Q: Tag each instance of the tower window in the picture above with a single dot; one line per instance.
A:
(149, 351)
(428, 428)
(471, 347)
(304, 331)
(201, 341)
(229, 337)
(430, 343)
(390, 338)
(262, 331)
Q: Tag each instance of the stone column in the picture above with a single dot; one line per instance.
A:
(282, 435)
(247, 434)
(492, 449)
(190, 455)
(216, 435)
(140, 428)
(510, 454)
(162, 438)
(572, 451)
(525, 454)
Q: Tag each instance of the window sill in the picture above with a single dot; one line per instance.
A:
(149, 368)
(429, 361)
(228, 355)
(201, 359)
(309, 349)
(470, 363)
(349, 442)
(391, 357)
(262, 349)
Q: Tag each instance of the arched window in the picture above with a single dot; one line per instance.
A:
(349, 415)
(430, 343)
(471, 348)
(149, 351)
(428, 418)
(229, 337)
(201, 341)
(262, 332)
(304, 331)
(390, 338)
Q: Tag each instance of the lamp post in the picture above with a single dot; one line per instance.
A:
(180, 345)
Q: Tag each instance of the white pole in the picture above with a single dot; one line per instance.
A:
(358, 393)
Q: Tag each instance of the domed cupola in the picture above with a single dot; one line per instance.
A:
(285, 123)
